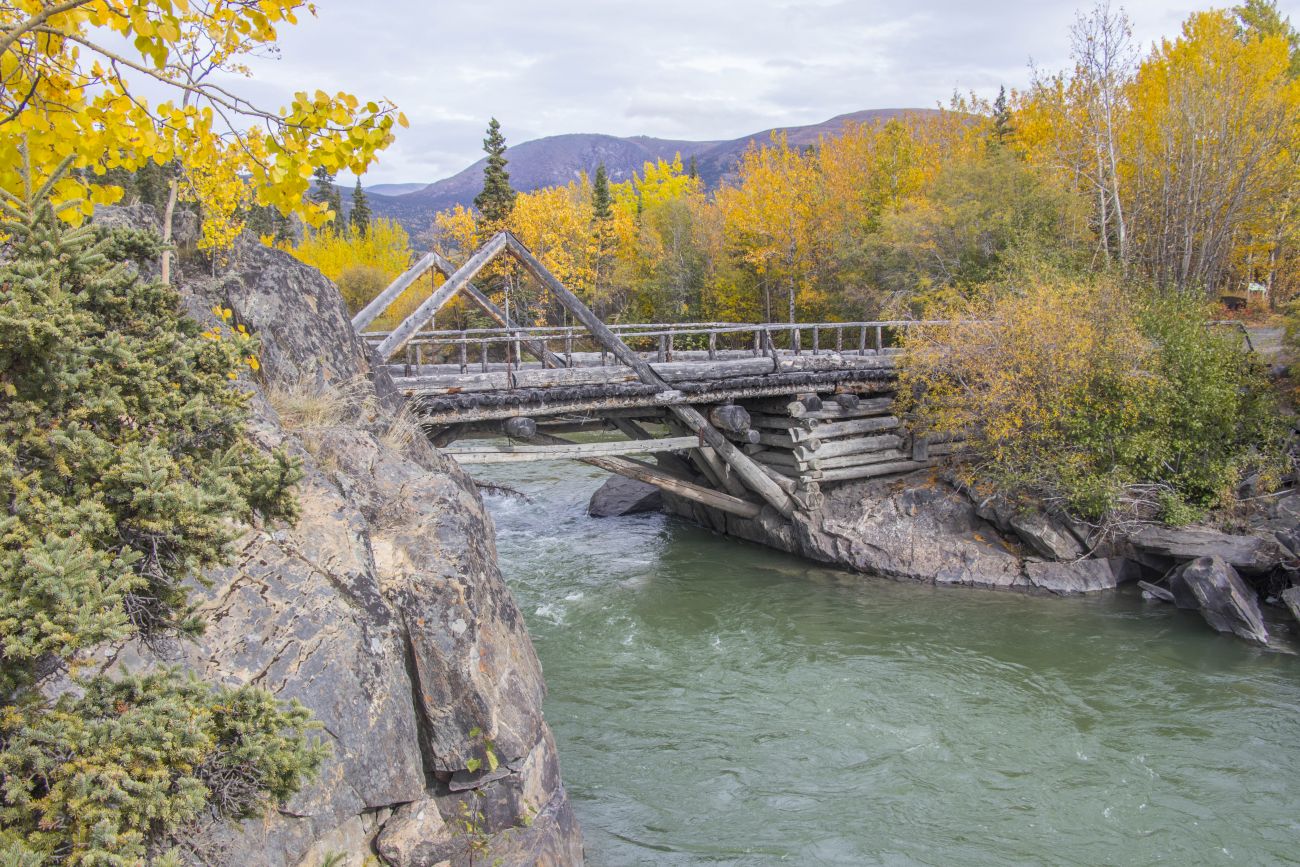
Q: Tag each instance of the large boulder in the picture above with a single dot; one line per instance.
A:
(913, 527)
(1169, 546)
(1077, 576)
(623, 496)
(1211, 586)
(382, 610)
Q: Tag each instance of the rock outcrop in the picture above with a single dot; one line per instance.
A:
(1210, 585)
(620, 496)
(382, 610)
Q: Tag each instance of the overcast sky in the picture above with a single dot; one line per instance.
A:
(691, 69)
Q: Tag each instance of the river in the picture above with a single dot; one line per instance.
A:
(720, 703)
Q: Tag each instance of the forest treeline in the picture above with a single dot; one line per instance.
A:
(1177, 166)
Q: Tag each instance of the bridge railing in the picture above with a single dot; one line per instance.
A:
(663, 342)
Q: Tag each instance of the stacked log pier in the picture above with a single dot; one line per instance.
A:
(833, 438)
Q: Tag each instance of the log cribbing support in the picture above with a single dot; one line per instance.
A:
(751, 473)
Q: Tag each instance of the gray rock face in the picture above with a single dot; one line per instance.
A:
(1291, 599)
(620, 496)
(384, 612)
(1249, 555)
(912, 529)
(1212, 586)
(1076, 576)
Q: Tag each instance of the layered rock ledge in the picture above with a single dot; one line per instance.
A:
(383, 611)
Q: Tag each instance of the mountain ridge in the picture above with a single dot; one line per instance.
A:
(559, 159)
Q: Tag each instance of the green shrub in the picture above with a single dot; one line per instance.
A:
(1099, 398)
(125, 469)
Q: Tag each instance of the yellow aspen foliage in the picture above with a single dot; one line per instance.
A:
(362, 265)
(72, 81)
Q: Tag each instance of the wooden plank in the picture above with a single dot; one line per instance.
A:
(750, 473)
(570, 451)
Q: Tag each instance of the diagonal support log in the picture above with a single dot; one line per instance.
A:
(434, 261)
(457, 281)
(749, 472)
(665, 481)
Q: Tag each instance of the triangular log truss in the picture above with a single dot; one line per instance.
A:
(774, 488)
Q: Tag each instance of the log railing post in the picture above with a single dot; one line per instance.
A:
(862, 340)
(462, 349)
(880, 339)
(839, 338)
(713, 345)
(483, 354)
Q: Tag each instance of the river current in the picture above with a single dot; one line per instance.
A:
(720, 703)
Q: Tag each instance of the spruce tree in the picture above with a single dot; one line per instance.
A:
(327, 192)
(601, 203)
(693, 170)
(497, 199)
(361, 216)
(126, 468)
(1002, 127)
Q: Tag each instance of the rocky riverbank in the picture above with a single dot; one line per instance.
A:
(922, 527)
(383, 611)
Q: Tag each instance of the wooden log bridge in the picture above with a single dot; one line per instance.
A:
(738, 417)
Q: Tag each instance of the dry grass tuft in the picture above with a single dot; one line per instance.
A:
(308, 405)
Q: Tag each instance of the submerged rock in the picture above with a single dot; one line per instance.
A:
(623, 496)
(1211, 586)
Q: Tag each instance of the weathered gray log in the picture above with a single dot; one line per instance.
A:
(838, 448)
(730, 418)
(721, 471)
(863, 408)
(750, 473)
(855, 427)
(846, 402)
(920, 448)
(536, 347)
(539, 377)
(475, 409)
(874, 470)
(383, 300)
(782, 422)
(668, 482)
(784, 441)
(569, 451)
(520, 427)
(794, 408)
(420, 318)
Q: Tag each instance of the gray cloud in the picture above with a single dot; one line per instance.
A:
(675, 69)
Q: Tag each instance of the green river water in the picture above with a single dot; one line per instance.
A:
(719, 703)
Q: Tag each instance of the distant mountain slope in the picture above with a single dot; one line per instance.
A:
(559, 159)
(393, 189)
